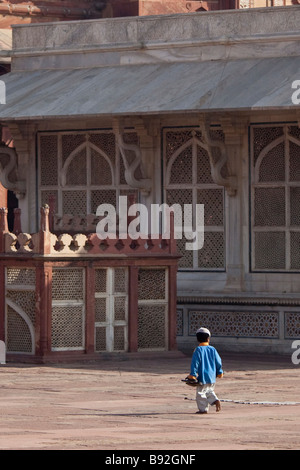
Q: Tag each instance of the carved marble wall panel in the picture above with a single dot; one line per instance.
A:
(246, 324)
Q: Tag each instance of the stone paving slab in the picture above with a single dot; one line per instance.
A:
(138, 402)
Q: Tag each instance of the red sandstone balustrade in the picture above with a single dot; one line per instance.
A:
(46, 243)
(149, 253)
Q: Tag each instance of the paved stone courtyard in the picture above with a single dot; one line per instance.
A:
(138, 402)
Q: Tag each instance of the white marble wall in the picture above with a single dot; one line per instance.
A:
(266, 32)
(192, 38)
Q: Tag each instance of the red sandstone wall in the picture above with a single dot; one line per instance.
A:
(3, 196)
(33, 11)
(158, 7)
(117, 8)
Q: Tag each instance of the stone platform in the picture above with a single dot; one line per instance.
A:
(138, 402)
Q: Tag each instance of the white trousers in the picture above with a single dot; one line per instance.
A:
(205, 396)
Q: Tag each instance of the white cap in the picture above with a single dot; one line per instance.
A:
(203, 330)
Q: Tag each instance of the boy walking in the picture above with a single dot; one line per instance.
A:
(206, 366)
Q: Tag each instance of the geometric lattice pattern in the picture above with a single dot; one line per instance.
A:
(18, 334)
(120, 280)
(90, 167)
(49, 167)
(151, 327)
(269, 207)
(188, 180)
(74, 202)
(275, 189)
(68, 309)
(179, 322)
(67, 284)
(67, 327)
(292, 325)
(100, 310)
(211, 256)
(20, 310)
(295, 250)
(235, 324)
(119, 338)
(76, 174)
(270, 250)
(152, 309)
(100, 280)
(181, 196)
(25, 300)
(100, 339)
(263, 136)
(20, 277)
(111, 307)
(152, 284)
(120, 308)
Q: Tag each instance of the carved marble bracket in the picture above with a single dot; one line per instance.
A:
(143, 184)
(229, 182)
(9, 172)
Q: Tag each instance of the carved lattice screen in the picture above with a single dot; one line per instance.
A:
(111, 309)
(68, 309)
(275, 197)
(20, 310)
(188, 180)
(81, 170)
(152, 309)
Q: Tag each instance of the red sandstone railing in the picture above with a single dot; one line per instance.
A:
(45, 251)
(44, 242)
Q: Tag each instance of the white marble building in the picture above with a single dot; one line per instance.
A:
(185, 109)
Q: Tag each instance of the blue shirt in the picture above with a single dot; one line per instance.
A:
(206, 364)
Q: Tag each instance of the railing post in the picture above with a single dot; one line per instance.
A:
(45, 239)
(44, 287)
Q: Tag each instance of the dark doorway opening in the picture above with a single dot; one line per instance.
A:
(12, 203)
